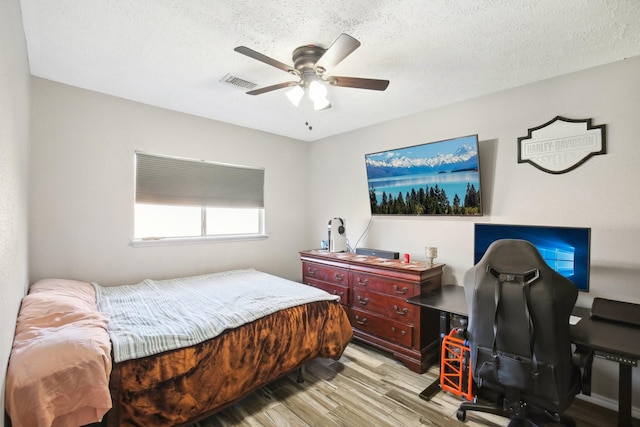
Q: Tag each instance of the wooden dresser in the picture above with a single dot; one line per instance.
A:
(374, 291)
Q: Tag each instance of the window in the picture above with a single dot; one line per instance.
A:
(184, 200)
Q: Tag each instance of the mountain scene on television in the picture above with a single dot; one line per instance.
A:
(438, 178)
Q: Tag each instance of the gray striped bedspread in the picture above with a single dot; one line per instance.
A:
(156, 316)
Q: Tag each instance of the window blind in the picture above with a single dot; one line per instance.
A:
(185, 182)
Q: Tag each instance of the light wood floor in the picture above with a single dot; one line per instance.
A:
(366, 388)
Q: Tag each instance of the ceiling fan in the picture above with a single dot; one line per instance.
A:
(311, 63)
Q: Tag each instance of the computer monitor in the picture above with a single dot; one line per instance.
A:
(565, 249)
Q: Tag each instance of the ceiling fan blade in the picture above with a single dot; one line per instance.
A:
(340, 49)
(272, 87)
(263, 58)
(359, 83)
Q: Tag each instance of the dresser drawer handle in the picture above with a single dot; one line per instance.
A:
(403, 333)
(363, 301)
(338, 276)
(312, 271)
(364, 282)
(338, 293)
(400, 291)
(361, 322)
(402, 312)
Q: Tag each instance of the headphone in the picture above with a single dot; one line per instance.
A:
(340, 227)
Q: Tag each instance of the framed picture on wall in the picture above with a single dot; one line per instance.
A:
(436, 178)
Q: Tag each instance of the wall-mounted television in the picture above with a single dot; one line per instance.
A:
(565, 249)
(436, 178)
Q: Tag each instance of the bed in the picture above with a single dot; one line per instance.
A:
(110, 361)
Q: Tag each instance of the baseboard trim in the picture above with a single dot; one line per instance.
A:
(608, 403)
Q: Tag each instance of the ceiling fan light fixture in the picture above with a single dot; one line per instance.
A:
(318, 94)
(321, 104)
(295, 94)
(317, 91)
(311, 63)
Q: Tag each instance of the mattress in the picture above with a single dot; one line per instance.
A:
(61, 371)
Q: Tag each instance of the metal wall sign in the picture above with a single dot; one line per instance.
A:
(562, 144)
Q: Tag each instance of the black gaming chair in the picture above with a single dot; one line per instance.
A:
(519, 336)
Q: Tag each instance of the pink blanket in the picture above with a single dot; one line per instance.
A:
(58, 373)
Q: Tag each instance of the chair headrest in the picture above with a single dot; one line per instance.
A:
(514, 256)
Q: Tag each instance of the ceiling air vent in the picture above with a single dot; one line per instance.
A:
(237, 82)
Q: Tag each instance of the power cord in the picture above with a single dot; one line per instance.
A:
(361, 236)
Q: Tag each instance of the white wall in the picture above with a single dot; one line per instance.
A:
(603, 193)
(82, 196)
(14, 149)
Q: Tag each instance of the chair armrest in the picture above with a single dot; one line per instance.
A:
(583, 359)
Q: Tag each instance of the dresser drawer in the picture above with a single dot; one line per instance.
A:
(341, 291)
(383, 285)
(385, 305)
(338, 276)
(390, 330)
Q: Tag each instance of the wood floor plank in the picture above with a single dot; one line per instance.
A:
(311, 403)
(367, 388)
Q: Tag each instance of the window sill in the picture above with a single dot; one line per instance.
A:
(168, 241)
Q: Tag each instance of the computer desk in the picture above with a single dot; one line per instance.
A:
(614, 341)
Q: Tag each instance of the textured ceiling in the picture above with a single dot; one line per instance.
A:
(173, 53)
